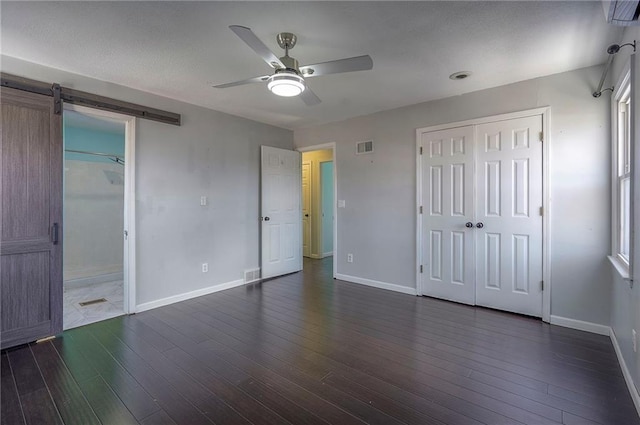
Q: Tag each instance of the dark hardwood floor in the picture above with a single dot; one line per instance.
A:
(305, 349)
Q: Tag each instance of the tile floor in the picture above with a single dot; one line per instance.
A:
(75, 315)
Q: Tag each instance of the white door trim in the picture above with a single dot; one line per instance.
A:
(332, 146)
(129, 260)
(546, 201)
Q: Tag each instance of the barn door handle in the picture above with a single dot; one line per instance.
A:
(479, 225)
(54, 234)
(468, 224)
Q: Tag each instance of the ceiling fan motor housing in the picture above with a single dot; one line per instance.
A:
(290, 64)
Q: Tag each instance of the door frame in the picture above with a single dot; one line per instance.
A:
(309, 218)
(332, 146)
(545, 112)
(129, 253)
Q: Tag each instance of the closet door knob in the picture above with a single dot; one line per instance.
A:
(468, 224)
(479, 225)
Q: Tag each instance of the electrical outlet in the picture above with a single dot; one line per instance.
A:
(203, 200)
(634, 340)
(205, 267)
(349, 258)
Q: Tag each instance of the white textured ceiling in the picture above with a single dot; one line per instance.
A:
(179, 49)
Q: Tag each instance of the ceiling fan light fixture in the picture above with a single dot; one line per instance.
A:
(286, 84)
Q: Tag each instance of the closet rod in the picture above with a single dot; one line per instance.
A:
(611, 50)
(115, 158)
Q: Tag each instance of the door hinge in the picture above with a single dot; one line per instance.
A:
(541, 136)
(421, 268)
(126, 235)
(542, 285)
(420, 150)
(541, 211)
(420, 209)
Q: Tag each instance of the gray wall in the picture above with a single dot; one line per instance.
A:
(212, 154)
(378, 223)
(93, 219)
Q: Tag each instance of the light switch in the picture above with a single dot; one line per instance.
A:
(203, 200)
(341, 203)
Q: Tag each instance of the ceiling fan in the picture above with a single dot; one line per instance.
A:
(289, 78)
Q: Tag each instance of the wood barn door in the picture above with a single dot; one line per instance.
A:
(31, 231)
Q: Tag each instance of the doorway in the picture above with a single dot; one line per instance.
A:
(480, 221)
(318, 202)
(97, 211)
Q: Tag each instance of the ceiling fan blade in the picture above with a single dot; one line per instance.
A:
(309, 97)
(243, 82)
(358, 63)
(257, 46)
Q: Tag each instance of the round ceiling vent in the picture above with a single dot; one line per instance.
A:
(460, 75)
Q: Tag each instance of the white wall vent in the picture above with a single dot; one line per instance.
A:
(364, 147)
(252, 275)
(622, 12)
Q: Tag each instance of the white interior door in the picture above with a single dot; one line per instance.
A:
(281, 224)
(489, 177)
(306, 208)
(447, 182)
(509, 188)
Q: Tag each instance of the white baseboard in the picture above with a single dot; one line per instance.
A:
(377, 284)
(188, 295)
(90, 280)
(625, 372)
(580, 325)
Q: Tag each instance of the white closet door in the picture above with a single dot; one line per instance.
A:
(509, 198)
(447, 182)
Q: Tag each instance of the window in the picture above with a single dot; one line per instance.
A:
(622, 173)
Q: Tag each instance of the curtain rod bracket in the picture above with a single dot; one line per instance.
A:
(599, 93)
(611, 50)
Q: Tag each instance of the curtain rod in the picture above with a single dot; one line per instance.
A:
(115, 158)
(611, 50)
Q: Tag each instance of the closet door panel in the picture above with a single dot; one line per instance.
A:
(447, 173)
(509, 197)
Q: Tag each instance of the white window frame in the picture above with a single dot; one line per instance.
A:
(621, 169)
